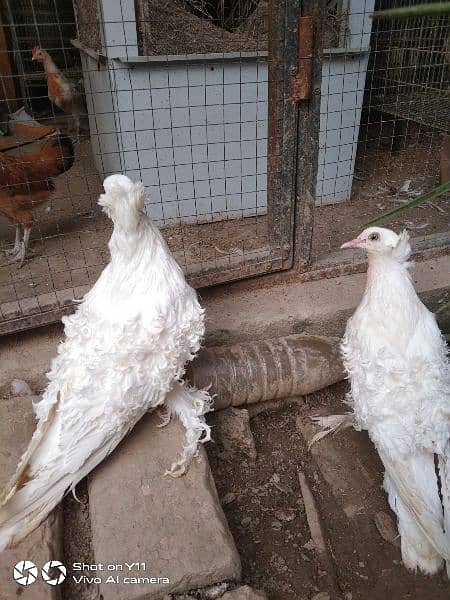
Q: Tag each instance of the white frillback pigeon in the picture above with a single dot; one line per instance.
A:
(124, 353)
(396, 359)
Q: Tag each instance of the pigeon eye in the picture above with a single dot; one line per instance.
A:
(374, 237)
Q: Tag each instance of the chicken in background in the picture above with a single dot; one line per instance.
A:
(124, 353)
(62, 92)
(26, 181)
(397, 363)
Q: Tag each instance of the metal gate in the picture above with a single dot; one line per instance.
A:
(192, 98)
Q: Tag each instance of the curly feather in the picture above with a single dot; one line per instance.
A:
(397, 364)
(124, 352)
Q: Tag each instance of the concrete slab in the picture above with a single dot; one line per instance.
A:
(244, 592)
(17, 423)
(253, 310)
(27, 356)
(172, 528)
(351, 487)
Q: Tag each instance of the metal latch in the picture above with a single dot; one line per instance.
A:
(302, 81)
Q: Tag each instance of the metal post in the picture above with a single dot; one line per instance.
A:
(308, 125)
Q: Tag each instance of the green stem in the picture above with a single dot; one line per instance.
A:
(435, 193)
(421, 10)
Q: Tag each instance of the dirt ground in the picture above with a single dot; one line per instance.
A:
(384, 180)
(266, 512)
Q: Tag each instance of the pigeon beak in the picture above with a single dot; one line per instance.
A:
(356, 243)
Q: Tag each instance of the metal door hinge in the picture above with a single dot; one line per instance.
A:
(302, 81)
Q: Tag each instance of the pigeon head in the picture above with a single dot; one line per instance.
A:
(381, 241)
(123, 200)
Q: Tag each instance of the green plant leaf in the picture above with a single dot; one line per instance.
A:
(420, 10)
(434, 193)
(304, 557)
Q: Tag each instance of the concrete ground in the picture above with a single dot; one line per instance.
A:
(243, 311)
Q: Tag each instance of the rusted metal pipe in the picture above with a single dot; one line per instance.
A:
(302, 82)
(294, 365)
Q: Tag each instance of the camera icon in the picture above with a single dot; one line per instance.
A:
(53, 572)
(25, 572)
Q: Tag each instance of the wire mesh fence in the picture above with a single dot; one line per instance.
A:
(196, 99)
(385, 118)
(175, 94)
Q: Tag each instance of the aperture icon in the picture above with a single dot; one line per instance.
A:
(25, 572)
(53, 572)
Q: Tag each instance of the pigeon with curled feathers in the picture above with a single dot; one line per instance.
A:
(397, 364)
(124, 353)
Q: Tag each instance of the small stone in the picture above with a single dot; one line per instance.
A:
(19, 387)
(278, 562)
(276, 525)
(215, 591)
(229, 498)
(285, 515)
(233, 433)
(386, 528)
(246, 521)
(321, 596)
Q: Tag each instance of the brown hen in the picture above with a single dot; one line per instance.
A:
(26, 181)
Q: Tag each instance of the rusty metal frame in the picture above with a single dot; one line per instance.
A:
(282, 148)
(308, 125)
(301, 85)
(293, 168)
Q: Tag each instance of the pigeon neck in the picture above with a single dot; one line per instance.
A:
(383, 268)
(131, 237)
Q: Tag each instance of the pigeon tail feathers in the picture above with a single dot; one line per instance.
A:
(412, 495)
(26, 507)
(444, 475)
